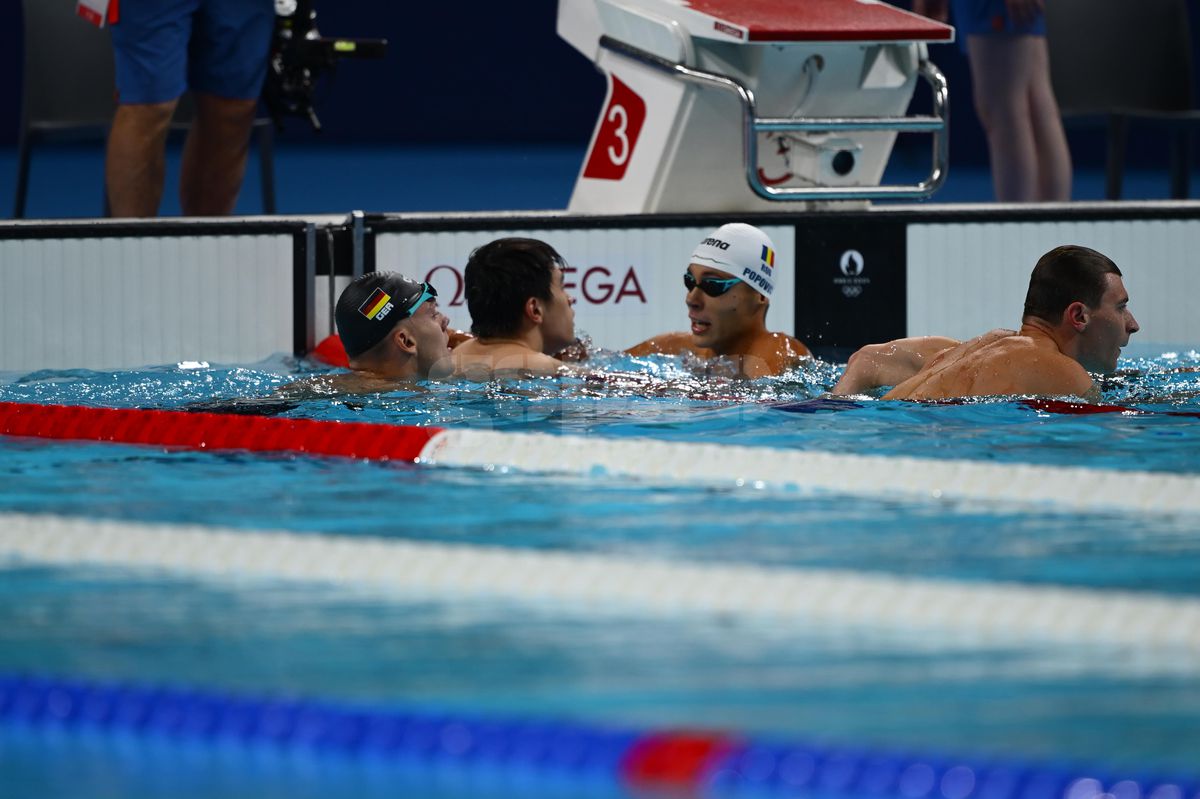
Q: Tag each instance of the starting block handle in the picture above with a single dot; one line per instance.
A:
(937, 124)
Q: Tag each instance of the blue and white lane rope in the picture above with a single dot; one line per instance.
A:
(969, 613)
(524, 751)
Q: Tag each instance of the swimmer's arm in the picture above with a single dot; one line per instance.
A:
(457, 337)
(889, 364)
(663, 344)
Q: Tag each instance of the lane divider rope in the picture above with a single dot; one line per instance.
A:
(1059, 488)
(965, 613)
(1088, 408)
(214, 431)
(1076, 489)
(528, 752)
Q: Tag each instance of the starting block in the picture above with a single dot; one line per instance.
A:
(734, 105)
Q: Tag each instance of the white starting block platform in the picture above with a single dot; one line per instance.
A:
(734, 105)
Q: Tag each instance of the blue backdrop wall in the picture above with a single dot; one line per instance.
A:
(488, 73)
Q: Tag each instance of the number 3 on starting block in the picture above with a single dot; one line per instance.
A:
(618, 134)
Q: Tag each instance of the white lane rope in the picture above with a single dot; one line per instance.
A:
(966, 612)
(1075, 489)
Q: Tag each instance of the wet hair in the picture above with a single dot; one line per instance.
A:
(1064, 275)
(500, 276)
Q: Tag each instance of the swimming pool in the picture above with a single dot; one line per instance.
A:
(639, 663)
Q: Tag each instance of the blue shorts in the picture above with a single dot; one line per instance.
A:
(989, 18)
(163, 47)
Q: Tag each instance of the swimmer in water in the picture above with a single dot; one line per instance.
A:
(729, 281)
(521, 316)
(393, 333)
(1075, 322)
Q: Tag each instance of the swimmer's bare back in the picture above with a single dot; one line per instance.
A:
(1000, 362)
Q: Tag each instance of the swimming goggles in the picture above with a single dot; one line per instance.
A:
(712, 286)
(428, 292)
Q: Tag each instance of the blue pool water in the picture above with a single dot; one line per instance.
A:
(1131, 710)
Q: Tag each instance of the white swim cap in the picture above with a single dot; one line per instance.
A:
(743, 251)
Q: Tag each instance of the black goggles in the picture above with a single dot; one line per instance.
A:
(712, 286)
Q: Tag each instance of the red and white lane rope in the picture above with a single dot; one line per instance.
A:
(1074, 489)
(965, 612)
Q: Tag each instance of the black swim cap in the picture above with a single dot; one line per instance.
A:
(371, 306)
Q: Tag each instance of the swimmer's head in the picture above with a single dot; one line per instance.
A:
(502, 276)
(1064, 275)
(1081, 292)
(373, 304)
(743, 251)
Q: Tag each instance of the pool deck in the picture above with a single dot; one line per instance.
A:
(335, 179)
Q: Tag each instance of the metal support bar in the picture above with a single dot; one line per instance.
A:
(310, 288)
(937, 125)
(357, 235)
(331, 295)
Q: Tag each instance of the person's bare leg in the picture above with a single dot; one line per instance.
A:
(135, 162)
(1050, 140)
(1000, 80)
(214, 157)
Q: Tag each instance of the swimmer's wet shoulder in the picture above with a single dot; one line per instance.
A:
(476, 358)
(772, 354)
(766, 355)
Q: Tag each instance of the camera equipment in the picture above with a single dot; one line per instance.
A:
(299, 54)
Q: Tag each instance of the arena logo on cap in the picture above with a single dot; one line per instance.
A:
(377, 306)
(768, 259)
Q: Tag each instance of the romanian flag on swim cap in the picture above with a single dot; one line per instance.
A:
(375, 303)
(768, 256)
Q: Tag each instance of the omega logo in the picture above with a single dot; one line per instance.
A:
(599, 285)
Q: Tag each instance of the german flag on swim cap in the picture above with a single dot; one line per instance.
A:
(743, 251)
(375, 304)
(366, 311)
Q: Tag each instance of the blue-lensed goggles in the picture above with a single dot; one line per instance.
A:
(712, 286)
(428, 292)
